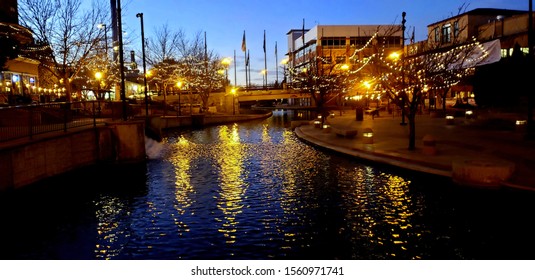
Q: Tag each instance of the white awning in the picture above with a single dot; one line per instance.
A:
(478, 55)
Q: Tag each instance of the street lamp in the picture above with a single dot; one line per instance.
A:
(226, 62)
(121, 59)
(233, 92)
(403, 21)
(98, 76)
(103, 26)
(284, 62)
(140, 16)
(179, 86)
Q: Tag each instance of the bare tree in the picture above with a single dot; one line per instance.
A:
(200, 68)
(322, 80)
(71, 32)
(164, 45)
(405, 78)
(175, 58)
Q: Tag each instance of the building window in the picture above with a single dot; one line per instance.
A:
(446, 33)
(359, 42)
(437, 35)
(333, 42)
(456, 29)
(340, 59)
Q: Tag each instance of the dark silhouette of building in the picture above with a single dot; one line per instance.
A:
(9, 12)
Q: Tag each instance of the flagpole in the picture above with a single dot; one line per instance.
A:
(244, 50)
(265, 60)
(276, 65)
(235, 83)
(248, 68)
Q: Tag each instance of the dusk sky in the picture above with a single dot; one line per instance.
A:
(224, 22)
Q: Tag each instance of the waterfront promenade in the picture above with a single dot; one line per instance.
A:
(459, 142)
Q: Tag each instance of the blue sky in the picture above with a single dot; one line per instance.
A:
(224, 21)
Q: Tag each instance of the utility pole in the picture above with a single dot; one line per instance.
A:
(121, 58)
(140, 16)
(530, 129)
(403, 21)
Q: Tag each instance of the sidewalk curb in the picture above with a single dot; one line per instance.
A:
(404, 163)
(442, 170)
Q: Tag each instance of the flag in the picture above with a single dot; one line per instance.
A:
(412, 37)
(303, 36)
(247, 60)
(275, 48)
(243, 44)
(264, 41)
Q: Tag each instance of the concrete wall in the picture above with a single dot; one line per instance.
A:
(27, 162)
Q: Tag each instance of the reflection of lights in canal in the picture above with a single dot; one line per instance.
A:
(183, 187)
(109, 232)
(230, 160)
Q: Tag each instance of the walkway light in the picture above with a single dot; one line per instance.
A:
(450, 120)
(367, 134)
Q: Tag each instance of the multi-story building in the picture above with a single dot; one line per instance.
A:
(484, 25)
(19, 76)
(339, 44)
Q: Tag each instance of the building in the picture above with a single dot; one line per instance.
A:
(18, 76)
(485, 25)
(339, 44)
(9, 12)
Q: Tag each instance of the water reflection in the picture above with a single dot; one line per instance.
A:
(229, 157)
(110, 231)
(255, 191)
(182, 163)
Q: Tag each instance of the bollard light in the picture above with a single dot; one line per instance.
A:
(367, 134)
(520, 126)
(450, 120)
(469, 114)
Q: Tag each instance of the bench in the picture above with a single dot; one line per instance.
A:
(347, 133)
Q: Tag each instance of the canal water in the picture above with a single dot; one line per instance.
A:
(254, 191)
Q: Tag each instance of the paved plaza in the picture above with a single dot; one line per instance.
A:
(461, 141)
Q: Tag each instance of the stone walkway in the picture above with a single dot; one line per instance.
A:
(455, 144)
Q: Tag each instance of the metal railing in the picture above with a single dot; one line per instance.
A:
(26, 121)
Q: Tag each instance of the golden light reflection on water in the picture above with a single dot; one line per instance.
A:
(230, 161)
(108, 243)
(384, 208)
(183, 187)
(266, 138)
(399, 210)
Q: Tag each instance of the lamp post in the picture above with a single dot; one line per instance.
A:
(179, 87)
(140, 16)
(403, 21)
(284, 62)
(103, 26)
(531, 61)
(98, 76)
(121, 58)
(233, 92)
(226, 62)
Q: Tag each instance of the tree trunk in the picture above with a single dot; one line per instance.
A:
(443, 95)
(412, 130)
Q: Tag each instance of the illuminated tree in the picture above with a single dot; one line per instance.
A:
(323, 80)
(405, 79)
(71, 32)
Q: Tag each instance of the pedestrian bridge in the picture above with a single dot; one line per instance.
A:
(269, 94)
